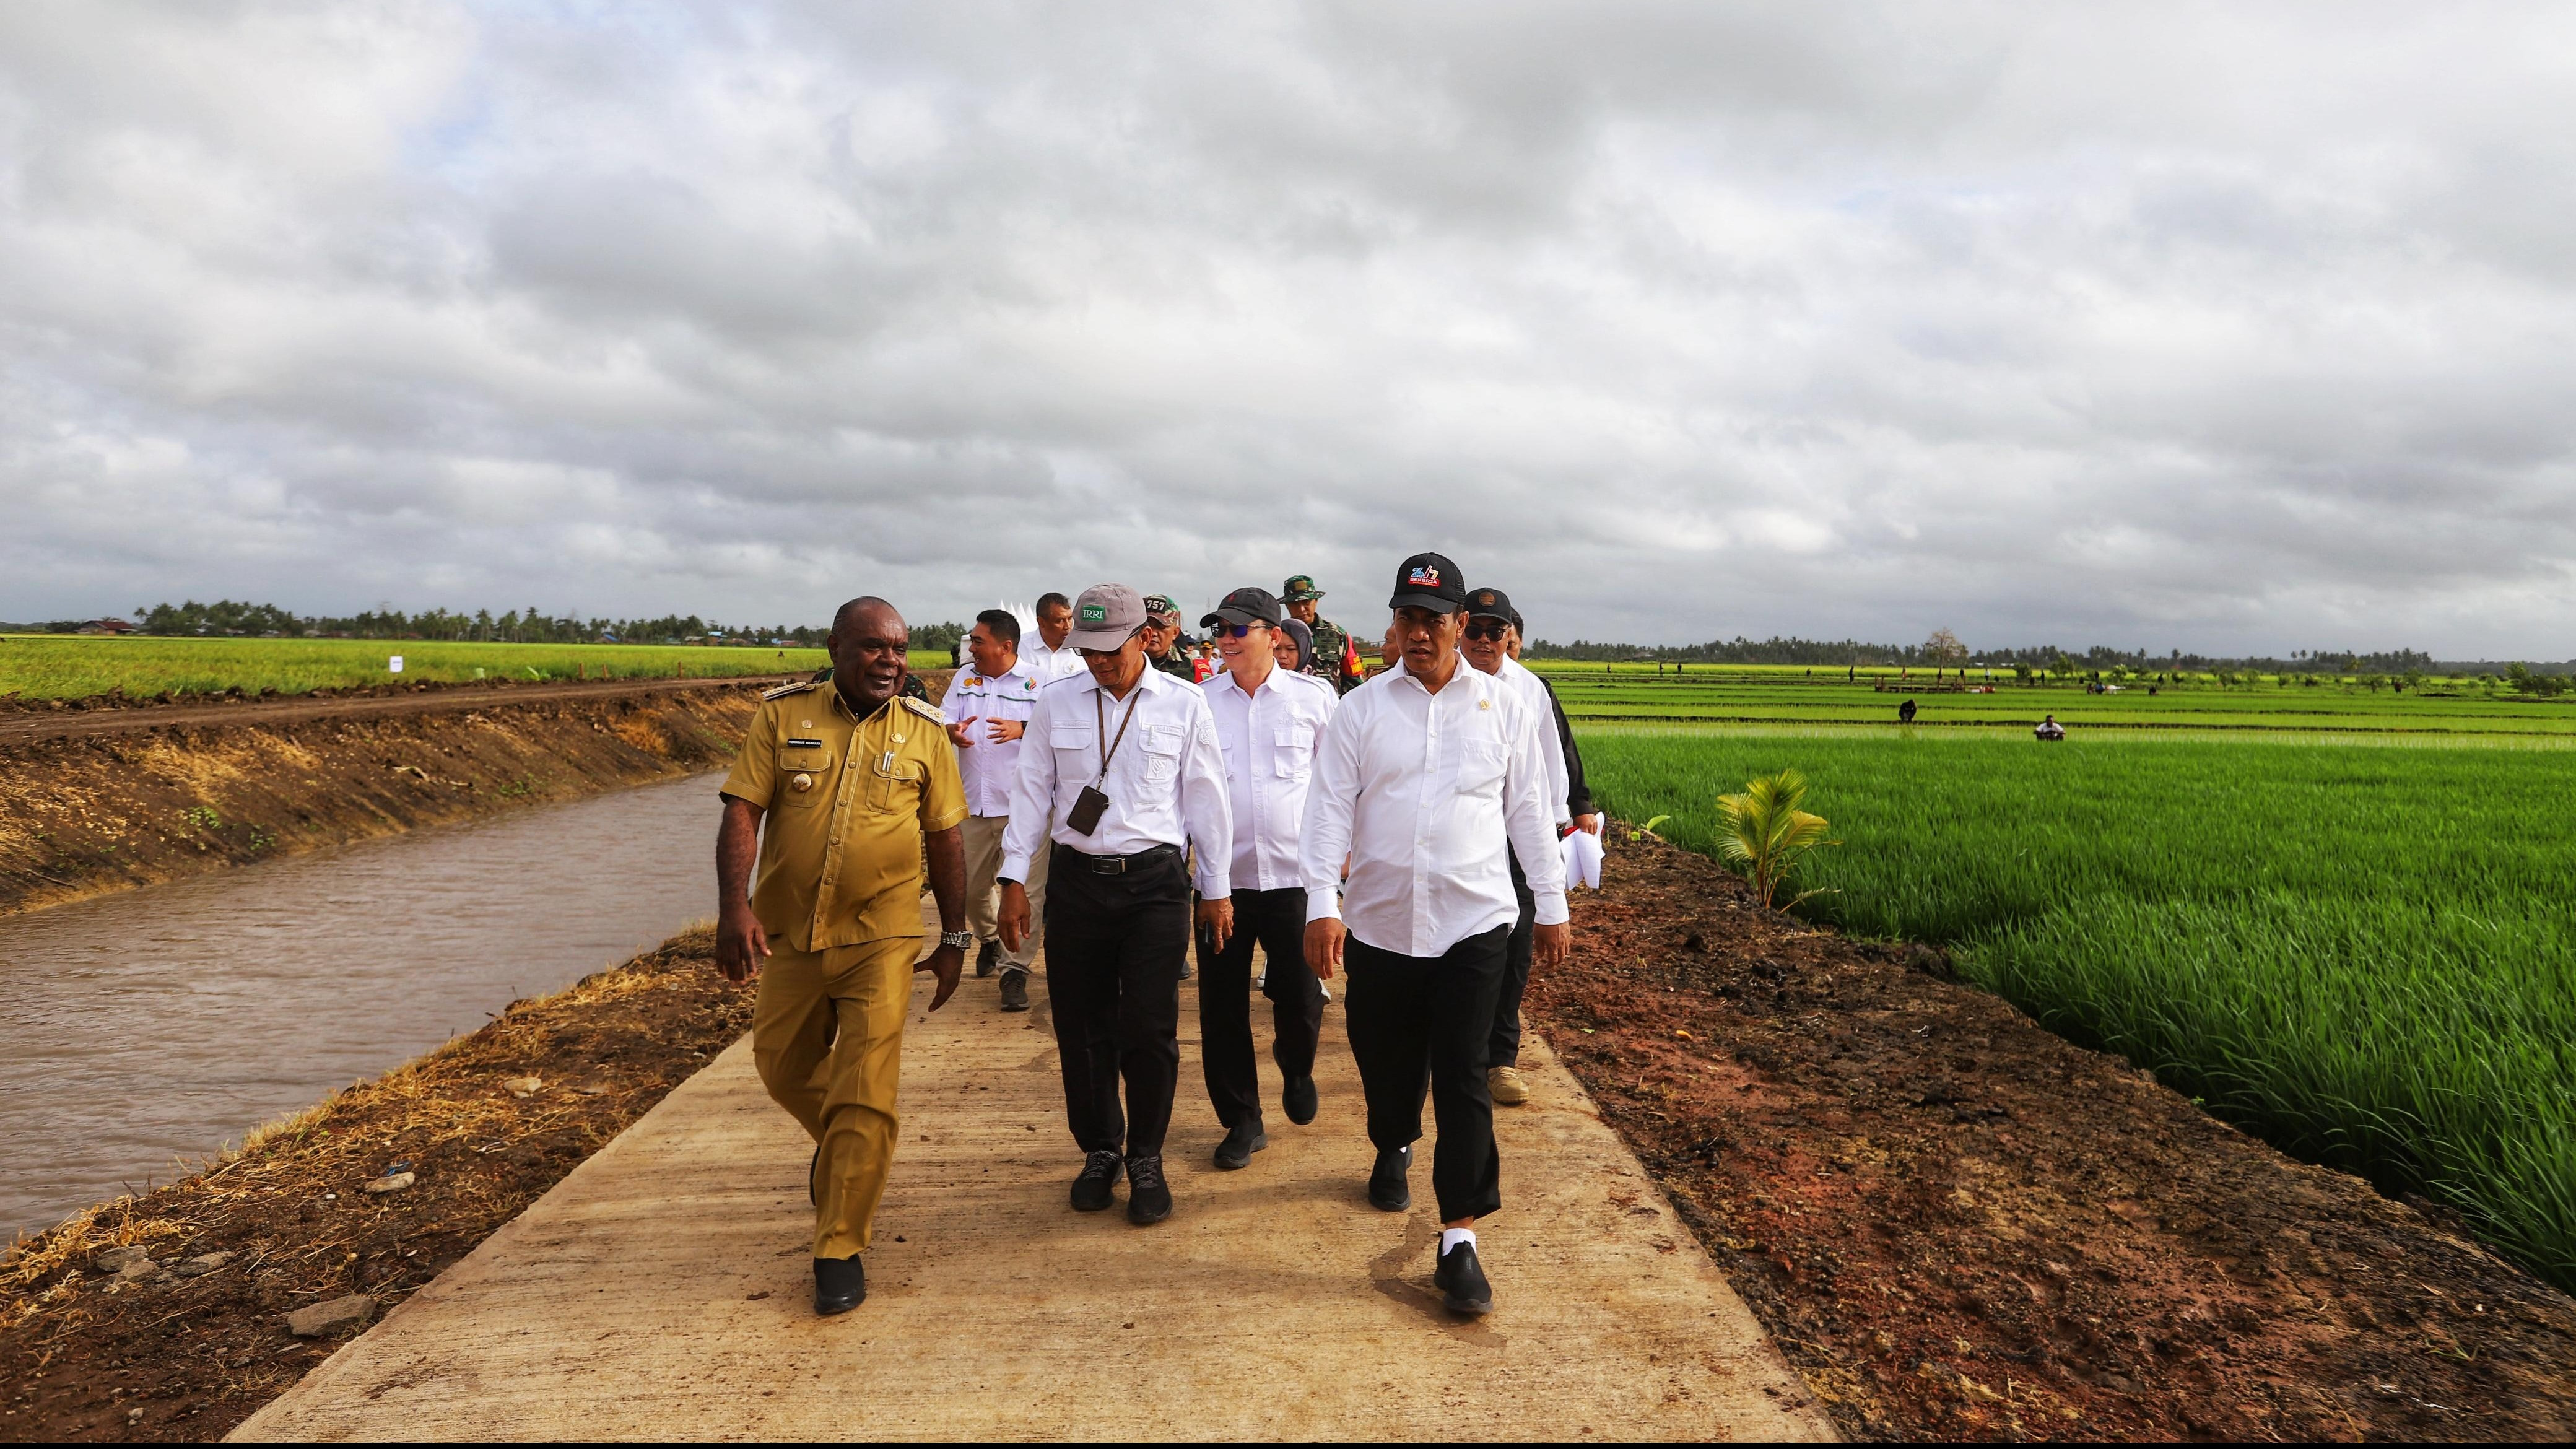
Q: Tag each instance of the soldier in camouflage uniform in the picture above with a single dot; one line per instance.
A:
(1332, 641)
(1162, 633)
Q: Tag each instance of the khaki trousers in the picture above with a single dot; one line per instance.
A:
(827, 1034)
(983, 837)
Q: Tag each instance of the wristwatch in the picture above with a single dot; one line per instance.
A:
(962, 940)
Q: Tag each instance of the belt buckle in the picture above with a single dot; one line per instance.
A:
(1109, 865)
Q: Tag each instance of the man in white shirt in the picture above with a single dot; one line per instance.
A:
(1493, 628)
(1429, 776)
(1268, 723)
(987, 708)
(1049, 657)
(1123, 777)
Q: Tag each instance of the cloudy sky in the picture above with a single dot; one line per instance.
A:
(2227, 328)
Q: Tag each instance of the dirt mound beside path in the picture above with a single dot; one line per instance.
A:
(1959, 1226)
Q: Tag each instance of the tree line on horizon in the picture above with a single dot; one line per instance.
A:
(1943, 650)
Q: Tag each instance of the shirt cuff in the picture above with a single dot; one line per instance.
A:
(1013, 868)
(1217, 885)
(1324, 905)
(1548, 908)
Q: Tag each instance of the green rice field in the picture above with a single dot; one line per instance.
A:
(56, 666)
(2363, 951)
(1764, 695)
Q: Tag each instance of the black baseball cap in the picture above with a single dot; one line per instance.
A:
(1245, 606)
(1429, 581)
(1490, 604)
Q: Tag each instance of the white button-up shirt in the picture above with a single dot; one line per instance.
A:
(1050, 665)
(1269, 738)
(1542, 706)
(989, 768)
(1420, 791)
(1166, 783)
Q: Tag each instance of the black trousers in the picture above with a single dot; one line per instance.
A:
(1503, 1048)
(1276, 921)
(1115, 944)
(1423, 1021)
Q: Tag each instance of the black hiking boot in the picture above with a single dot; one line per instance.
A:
(1298, 1100)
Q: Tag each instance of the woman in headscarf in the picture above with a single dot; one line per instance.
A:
(1293, 645)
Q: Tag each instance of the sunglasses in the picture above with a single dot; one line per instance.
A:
(1235, 631)
(1487, 629)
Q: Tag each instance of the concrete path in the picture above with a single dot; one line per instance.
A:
(662, 1290)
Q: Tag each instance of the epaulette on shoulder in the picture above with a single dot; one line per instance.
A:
(784, 690)
(923, 708)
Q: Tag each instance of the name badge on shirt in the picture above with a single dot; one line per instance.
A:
(804, 744)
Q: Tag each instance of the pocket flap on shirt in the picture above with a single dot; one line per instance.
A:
(1161, 739)
(1069, 735)
(1290, 737)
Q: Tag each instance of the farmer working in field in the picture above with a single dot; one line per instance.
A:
(856, 785)
(1492, 623)
(1130, 776)
(1430, 777)
(987, 710)
(1268, 720)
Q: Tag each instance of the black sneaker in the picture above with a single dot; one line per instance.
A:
(1149, 1198)
(1388, 1191)
(1241, 1141)
(1091, 1190)
(840, 1285)
(988, 959)
(1298, 1099)
(1461, 1281)
(1015, 990)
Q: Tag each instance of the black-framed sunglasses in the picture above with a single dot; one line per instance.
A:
(1234, 631)
(1493, 629)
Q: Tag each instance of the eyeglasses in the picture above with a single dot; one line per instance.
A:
(1235, 631)
(1493, 629)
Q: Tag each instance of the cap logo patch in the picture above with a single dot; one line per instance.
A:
(1095, 613)
(1425, 575)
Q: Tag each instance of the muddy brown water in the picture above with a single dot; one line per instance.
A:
(142, 1030)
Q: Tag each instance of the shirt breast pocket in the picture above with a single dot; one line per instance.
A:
(1073, 752)
(1292, 754)
(1162, 745)
(804, 777)
(1480, 767)
(893, 782)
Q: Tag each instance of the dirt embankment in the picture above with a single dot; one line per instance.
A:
(1959, 1226)
(174, 792)
(190, 1337)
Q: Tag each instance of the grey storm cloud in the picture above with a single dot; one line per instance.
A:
(2231, 328)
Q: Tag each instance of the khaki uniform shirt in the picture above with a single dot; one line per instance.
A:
(847, 802)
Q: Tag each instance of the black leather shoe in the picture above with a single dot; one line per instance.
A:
(1015, 990)
(1241, 1141)
(1298, 1097)
(1149, 1198)
(1388, 1191)
(1461, 1281)
(988, 959)
(840, 1284)
(1091, 1190)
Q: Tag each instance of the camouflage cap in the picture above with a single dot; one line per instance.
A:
(1300, 589)
(1161, 609)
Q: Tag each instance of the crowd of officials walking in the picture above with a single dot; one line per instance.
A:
(1108, 790)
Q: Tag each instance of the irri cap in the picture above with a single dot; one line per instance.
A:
(1429, 581)
(1105, 617)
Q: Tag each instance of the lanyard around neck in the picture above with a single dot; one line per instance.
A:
(1100, 722)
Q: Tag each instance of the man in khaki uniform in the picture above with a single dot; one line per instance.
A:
(854, 780)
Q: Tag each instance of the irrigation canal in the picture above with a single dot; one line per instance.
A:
(151, 1027)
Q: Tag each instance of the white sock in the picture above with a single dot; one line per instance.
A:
(1452, 1237)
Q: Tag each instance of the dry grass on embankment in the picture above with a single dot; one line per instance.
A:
(85, 814)
(161, 1356)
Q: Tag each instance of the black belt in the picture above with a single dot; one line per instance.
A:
(1121, 864)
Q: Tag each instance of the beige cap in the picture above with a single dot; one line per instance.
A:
(1105, 617)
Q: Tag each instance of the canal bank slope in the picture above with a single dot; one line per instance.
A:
(98, 800)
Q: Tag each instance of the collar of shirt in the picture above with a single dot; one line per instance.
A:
(1268, 738)
(1165, 781)
(1421, 793)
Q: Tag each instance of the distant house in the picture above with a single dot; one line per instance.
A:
(107, 626)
